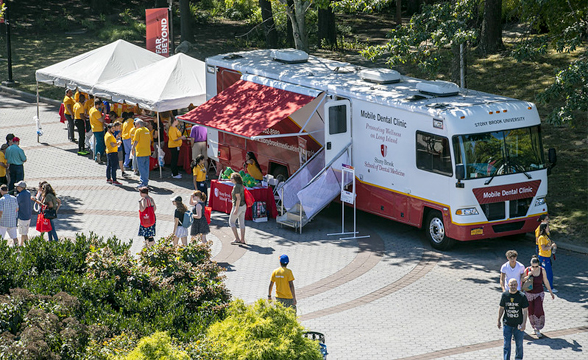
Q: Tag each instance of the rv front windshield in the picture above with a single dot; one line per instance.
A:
(500, 152)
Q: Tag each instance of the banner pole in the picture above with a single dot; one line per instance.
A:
(159, 144)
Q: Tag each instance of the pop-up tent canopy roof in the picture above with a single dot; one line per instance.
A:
(169, 84)
(247, 109)
(105, 63)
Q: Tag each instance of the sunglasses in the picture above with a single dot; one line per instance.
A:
(534, 267)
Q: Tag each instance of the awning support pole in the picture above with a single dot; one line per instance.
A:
(159, 144)
(39, 119)
(313, 112)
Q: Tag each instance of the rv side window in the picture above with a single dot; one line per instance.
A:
(337, 119)
(432, 153)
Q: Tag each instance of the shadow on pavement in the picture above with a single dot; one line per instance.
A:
(558, 344)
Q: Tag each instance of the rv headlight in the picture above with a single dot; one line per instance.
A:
(468, 211)
(540, 201)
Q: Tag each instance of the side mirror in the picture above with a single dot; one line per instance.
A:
(460, 175)
(552, 156)
(460, 171)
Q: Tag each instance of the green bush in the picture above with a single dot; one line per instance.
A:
(261, 331)
(155, 347)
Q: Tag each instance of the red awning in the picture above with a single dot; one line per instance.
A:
(247, 108)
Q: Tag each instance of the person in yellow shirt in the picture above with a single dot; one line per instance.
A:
(68, 104)
(97, 125)
(174, 144)
(546, 247)
(132, 135)
(544, 219)
(111, 146)
(252, 166)
(127, 125)
(80, 122)
(3, 164)
(284, 279)
(142, 151)
(199, 175)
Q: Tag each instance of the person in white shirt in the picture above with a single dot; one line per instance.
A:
(512, 269)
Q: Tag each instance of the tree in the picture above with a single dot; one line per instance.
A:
(567, 24)
(491, 37)
(186, 20)
(269, 26)
(297, 15)
(327, 28)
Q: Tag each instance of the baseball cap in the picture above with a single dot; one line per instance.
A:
(177, 199)
(21, 184)
(15, 139)
(284, 260)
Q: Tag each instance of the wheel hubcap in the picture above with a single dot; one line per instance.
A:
(437, 230)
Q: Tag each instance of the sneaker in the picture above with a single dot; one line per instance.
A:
(83, 152)
(124, 174)
(137, 173)
(179, 176)
(554, 291)
(538, 333)
(116, 183)
(97, 158)
(109, 181)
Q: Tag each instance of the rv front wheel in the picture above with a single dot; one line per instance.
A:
(435, 231)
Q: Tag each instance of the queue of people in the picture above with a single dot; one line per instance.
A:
(523, 291)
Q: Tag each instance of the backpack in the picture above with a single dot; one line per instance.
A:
(188, 219)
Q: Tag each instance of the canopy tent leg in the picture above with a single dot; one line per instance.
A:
(159, 144)
(38, 136)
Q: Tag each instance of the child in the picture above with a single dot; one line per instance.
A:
(199, 174)
(121, 148)
(284, 279)
(179, 230)
(200, 225)
(112, 145)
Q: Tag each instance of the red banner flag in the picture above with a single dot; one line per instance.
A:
(157, 31)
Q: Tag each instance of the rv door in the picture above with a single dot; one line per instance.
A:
(338, 127)
(212, 143)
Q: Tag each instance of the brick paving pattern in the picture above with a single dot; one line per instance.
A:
(389, 296)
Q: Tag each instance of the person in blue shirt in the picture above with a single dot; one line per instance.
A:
(16, 158)
(25, 211)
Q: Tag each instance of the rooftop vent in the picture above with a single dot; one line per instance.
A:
(289, 56)
(380, 76)
(232, 57)
(438, 88)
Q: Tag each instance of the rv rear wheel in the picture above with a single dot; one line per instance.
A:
(435, 231)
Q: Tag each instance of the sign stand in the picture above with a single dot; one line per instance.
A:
(349, 198)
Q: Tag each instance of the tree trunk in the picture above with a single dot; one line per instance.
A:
(186, 30)
(327, 31)
(398, 18)
(491, 37)
(269, 27)
(413, 7)
(289, 31)
(297, 15)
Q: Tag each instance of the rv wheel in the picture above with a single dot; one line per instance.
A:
(435, 231)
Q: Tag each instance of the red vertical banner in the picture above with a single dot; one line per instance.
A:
(157, 31)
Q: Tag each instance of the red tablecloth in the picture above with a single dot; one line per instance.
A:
(220, 198)
(185, 157)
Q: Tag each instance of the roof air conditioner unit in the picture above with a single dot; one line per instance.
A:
(380, 76)
(438, 88)
(289, 56)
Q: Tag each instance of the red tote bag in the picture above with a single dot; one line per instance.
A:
(249, 199)
(147, 216)
(43, 225)
(207, 213)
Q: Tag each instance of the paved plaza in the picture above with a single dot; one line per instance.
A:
(389, 296)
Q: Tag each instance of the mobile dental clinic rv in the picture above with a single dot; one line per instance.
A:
(462, 164)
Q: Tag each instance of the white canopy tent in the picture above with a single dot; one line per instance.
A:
(170, 84)
(105, 63)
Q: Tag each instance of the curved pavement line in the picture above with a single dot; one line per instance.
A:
(428, 261)
(492, 344)
(229, 253)
(369, 253)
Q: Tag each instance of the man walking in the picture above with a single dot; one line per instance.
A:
(68, 104)
(97, 125)
(80, 122)
(512, 269)
(15, 157)
(513, 305)
(8, 214)
(142, 151)
(25, 211)
(284, 279)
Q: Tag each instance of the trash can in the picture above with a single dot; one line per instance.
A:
(320, 338)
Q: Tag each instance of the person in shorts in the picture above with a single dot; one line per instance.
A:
(284, 280)
(25, 211)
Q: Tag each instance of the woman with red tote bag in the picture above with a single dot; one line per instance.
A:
(147, 217)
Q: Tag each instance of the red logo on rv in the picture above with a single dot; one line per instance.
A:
(384, 150)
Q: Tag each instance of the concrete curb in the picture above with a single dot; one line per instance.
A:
(29, 96)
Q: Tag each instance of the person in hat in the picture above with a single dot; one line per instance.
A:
(284, 279)
(8, 214)
(25, 210)
(15, 158)
(180, 232)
